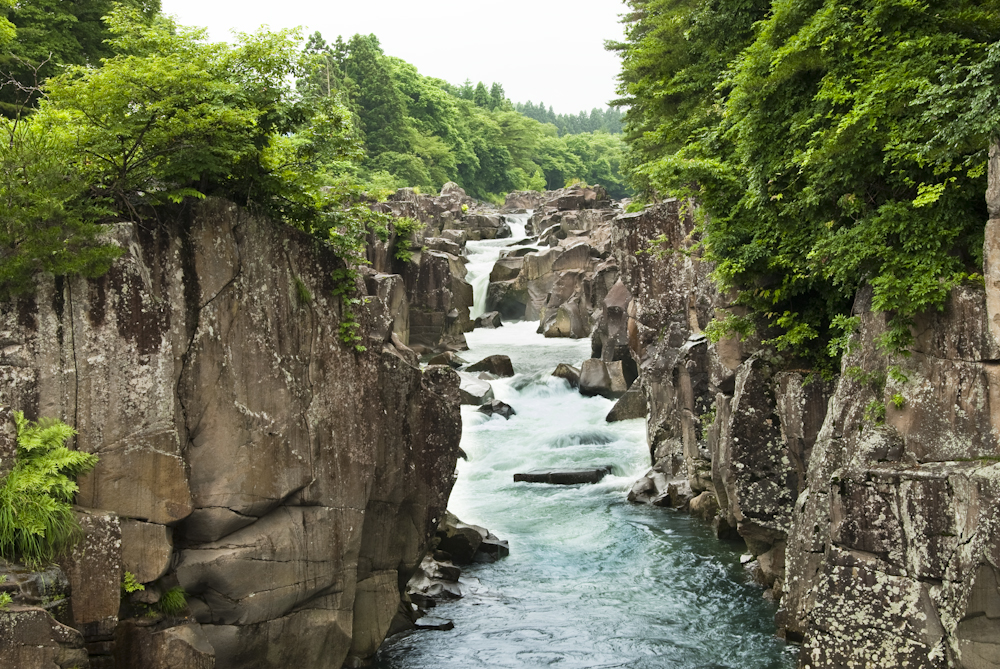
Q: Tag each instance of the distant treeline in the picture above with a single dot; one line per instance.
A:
(609, 120)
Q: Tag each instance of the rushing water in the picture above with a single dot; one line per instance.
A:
(591, 580)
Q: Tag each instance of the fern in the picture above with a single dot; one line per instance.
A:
(37, 522)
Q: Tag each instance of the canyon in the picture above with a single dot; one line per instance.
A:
(293, 486)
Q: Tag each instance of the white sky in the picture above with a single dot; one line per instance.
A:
(540, 50)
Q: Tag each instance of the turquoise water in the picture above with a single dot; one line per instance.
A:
(591, 581)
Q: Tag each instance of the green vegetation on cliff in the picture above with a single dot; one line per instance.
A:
(832, 145)
(37, 522)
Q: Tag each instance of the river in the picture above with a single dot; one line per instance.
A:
(591, 580)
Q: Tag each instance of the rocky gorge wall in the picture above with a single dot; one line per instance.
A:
(869, 503)
(287, 483)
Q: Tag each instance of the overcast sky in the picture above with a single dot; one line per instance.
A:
(540, 50)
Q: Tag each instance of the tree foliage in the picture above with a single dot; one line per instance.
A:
(830, 144)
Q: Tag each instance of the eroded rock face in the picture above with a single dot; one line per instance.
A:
(869, 502)
(897, 524)
(295, 482)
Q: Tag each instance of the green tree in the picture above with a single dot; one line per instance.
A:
(480, 96)
(383, 117)
(50, 34)
(827, 146)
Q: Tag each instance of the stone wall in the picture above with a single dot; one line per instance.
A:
(287, 482)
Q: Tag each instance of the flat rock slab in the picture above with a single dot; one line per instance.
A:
(564, 476)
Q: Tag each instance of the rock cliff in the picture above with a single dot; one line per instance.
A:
(286, 482)
(868, 502)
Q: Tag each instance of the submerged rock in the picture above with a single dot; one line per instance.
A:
(564, 476)
(571, 374)
(499, 408)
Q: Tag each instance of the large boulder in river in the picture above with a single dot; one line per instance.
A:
(494, 364)
(475, 392)
(600, 378)
(490, 320)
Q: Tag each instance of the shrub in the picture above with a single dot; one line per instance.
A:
(36, 518)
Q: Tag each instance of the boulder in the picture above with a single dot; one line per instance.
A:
(630, 405)
(564, 476)
(498, 408)
(142, 645)
(596, 378)
(443, 244)
(490, 320)
(494, 364)
(506, 269)
(147, 549)
(94, 569)
(475, 392)
(459, 237)
(571, 374)
(30, 637)
(459, 539)
(704, 506)
(448, 358)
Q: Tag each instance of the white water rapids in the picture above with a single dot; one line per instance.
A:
(591, 580)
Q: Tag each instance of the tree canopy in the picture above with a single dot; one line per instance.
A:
(830, 144)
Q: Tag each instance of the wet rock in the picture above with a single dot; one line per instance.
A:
(506, 269)
(599, 378)
(492, 549)
(571, 374)
(458, 539)
(657, 488)
(631, 405)
(489, 320)
(498, 408)
(475, 392)
(434, 623)
(494, 364)
(563, 476)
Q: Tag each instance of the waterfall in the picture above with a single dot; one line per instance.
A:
(482, 255)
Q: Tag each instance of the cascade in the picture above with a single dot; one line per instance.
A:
(591, 580)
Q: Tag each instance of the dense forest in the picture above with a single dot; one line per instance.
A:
(831, 146)
(109, 108)
(607, 120)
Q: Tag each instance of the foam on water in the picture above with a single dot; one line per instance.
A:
(591, 581)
